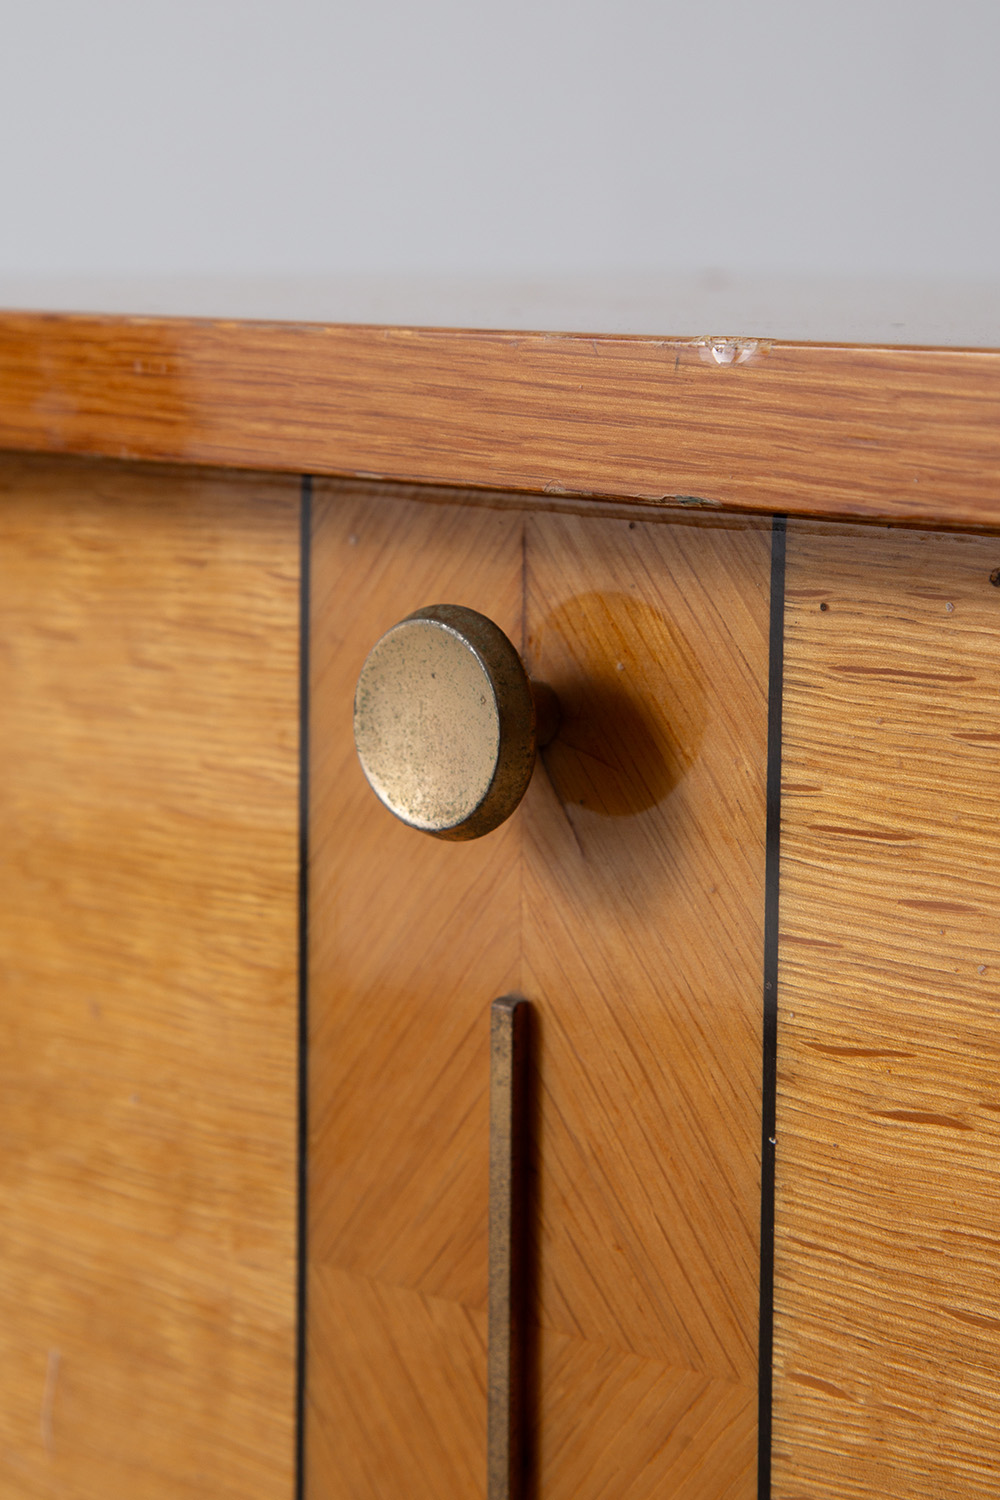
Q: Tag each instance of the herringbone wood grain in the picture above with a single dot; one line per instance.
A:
(625, 899)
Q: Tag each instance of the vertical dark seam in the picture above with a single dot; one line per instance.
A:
(772, 860)
(520, 843)
(305, 544)
(524, 586)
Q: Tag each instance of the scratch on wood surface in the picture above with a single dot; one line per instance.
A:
(855, 1051)
(920, 1117)
(814, 1384)
(889, 834)
(919, 903)
(977, 1320)
(898, 674)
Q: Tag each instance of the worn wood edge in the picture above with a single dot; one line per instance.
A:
(842, 431)
(18, 462)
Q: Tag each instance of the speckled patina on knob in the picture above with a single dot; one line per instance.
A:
(446, 722)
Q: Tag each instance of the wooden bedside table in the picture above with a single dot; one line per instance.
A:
(752, 895)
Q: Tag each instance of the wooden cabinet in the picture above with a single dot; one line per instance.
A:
(625, 899)
(752, 895)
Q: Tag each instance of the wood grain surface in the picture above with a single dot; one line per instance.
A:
(624, 899)
(148, 873)
(642, 876)
(888, 1186)
(410, 940)
(807, 429)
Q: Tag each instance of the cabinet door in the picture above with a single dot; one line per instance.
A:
(149, 929)
(888, 1189)
(148, 919)
(625, 900)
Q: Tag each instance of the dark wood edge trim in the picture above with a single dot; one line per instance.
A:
(849, 431)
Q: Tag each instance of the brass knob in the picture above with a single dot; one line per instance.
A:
(447, 722)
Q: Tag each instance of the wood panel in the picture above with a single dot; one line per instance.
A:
(642, 939)
(411, 939)
(624, 898)
(888, 1127)
(807, 429)
(148, 875)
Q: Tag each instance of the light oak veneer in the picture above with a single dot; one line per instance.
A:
(888, 1187)
(148, 878)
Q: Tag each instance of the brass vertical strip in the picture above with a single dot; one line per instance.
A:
(508, 1036)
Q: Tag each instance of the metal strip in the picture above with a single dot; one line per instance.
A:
(508, 1037)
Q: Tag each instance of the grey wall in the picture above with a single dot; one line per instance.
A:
(252, 136)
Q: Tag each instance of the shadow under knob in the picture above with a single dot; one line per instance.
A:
(447, 722)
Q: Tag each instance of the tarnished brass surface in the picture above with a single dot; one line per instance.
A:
(508, 1039)
(445, 722)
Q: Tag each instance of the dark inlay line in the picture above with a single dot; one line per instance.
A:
(770, 1029)
(305, 544)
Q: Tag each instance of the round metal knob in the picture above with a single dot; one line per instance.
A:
(446, 722)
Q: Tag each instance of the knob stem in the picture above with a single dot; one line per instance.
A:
(547, 714)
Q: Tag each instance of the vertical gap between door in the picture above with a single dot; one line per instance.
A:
(776, 651)
(302, 1226)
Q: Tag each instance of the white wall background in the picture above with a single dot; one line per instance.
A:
(295, 136)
